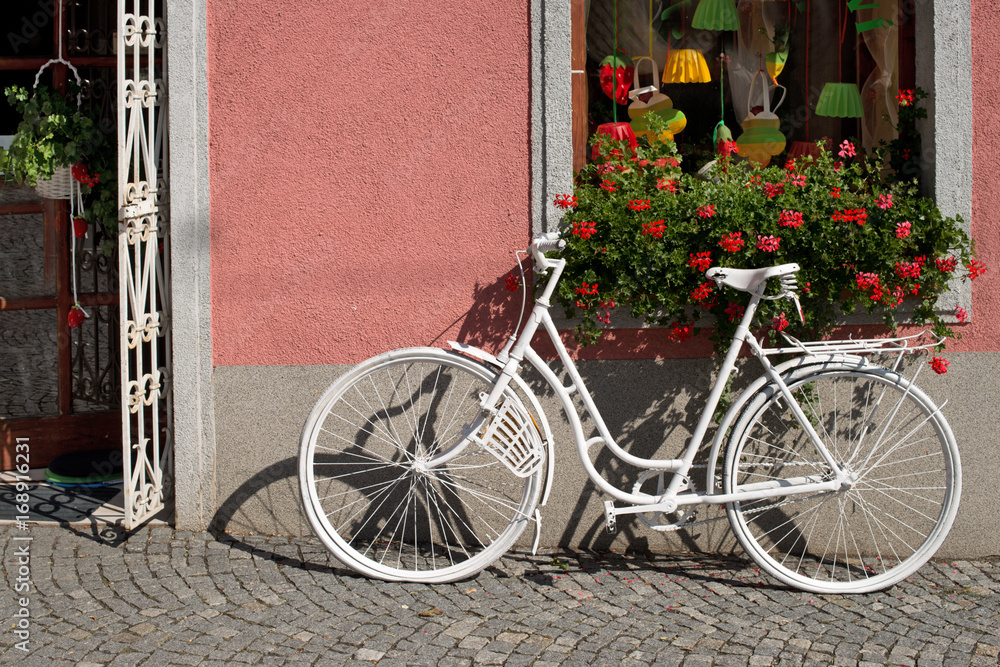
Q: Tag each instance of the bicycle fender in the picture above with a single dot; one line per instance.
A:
(737, 407)
(546, 432)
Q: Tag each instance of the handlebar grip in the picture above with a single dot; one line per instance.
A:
(545, 245)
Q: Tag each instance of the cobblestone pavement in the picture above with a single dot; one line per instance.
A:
(160, 597)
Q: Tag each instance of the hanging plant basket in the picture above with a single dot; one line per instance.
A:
(60, 186)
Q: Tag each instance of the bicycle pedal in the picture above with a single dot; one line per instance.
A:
(610, 517)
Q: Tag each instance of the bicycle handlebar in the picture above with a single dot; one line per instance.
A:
(544, 244)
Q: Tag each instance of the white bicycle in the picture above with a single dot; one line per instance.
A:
(838, 476)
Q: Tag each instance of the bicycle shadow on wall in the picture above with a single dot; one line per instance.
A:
(656, 420)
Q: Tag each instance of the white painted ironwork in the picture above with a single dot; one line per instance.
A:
(143, 252)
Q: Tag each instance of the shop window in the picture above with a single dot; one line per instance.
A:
(869, 43)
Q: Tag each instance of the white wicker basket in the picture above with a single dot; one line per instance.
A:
(60, 186)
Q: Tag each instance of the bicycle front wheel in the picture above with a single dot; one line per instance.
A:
(904, 479)
(369, 492)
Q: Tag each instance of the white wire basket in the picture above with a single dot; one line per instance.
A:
(60, 186)
(513, 439)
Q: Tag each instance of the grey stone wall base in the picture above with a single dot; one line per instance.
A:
(653, 404)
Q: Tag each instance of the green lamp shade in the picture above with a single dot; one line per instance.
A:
(716, 15)
(840, 100)
(686, 66)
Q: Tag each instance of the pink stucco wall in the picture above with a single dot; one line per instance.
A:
(370, 172)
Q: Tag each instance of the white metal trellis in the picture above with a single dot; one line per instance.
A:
(143, 260)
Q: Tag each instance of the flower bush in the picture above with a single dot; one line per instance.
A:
(53, 133)
(640, 235)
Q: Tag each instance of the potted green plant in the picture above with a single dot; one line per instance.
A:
(640, 234)
(54, 134)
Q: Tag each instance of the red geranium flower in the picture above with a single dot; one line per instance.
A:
(946, 264)
(702, 292)
(666, 184)
(940, 365)
(734, 311)
(768, 243)
(961, 314)
(976, 269)
(609, 185)
(790, 219)
(732, 242)
(772, 190)
(584, 229)
(680, 333)
(654, 229)
(903, 230)
(565, 201)
(638, 204)
(706, 211)
(905, 98)
(513, 282)
(701, 261)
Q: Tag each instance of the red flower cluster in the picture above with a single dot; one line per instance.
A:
(680, 333)
(779, 323)
(584, 229)
(666, 184)
(732, 242)
(798, 181)
(976, 269)
(858, 215)
(700, 261)
(512, 282)
(903, 230)
(772, 190)
(586, 289)
(947, 264)
(884, 202)
(961, 314)
(702, 292)
(706, 211)
(768, 243)
(654, 229)
(609, 185)
(734, 311)
(790, 219)
(866, 280)
(639, 204)
(905, 98)
(846, 149)
(835, 193)
(565, 201)
(908, 269)
(80, 173)
(940, 365)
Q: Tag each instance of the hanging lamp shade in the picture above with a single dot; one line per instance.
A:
(716, 15)
(840, 100)
(686, 66)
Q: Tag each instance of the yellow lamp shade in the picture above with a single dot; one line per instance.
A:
(716, 15)
(840, 100)
(686, 66)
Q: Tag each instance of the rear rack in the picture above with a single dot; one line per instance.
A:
(860, 346)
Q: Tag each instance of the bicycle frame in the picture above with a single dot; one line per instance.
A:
(519, 349)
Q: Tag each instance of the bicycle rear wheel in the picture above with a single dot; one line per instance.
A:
(368, 491)
(900, 502)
